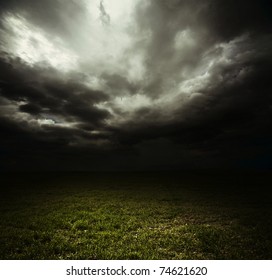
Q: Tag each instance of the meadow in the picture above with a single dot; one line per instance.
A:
(193, 215)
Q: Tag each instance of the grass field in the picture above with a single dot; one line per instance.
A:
(136, 216)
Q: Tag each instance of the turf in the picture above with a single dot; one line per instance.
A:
(136, 216)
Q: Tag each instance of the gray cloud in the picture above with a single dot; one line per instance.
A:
(104, 16)
(164, 84)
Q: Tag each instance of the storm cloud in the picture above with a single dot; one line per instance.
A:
(158, 84)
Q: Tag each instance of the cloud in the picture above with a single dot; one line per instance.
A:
(39, 97)
(104, 16)
(34, 47)
(159, 84)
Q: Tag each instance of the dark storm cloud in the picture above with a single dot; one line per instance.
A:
(229, 126)
(231, 116)
(206, 22)
(41, 91)
(231, 18)
(204, 99)
(50, 149)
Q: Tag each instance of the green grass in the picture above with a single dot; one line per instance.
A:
(135, 216)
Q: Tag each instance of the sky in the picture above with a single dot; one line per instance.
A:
(90, 85)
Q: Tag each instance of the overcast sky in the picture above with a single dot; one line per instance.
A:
(135, 84)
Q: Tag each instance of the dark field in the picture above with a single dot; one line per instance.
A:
(136, 216)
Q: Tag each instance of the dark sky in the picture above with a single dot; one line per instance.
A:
(135, 84)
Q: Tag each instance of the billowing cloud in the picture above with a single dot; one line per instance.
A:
(135, 84)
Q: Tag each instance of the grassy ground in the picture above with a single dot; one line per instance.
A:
(136, 216)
